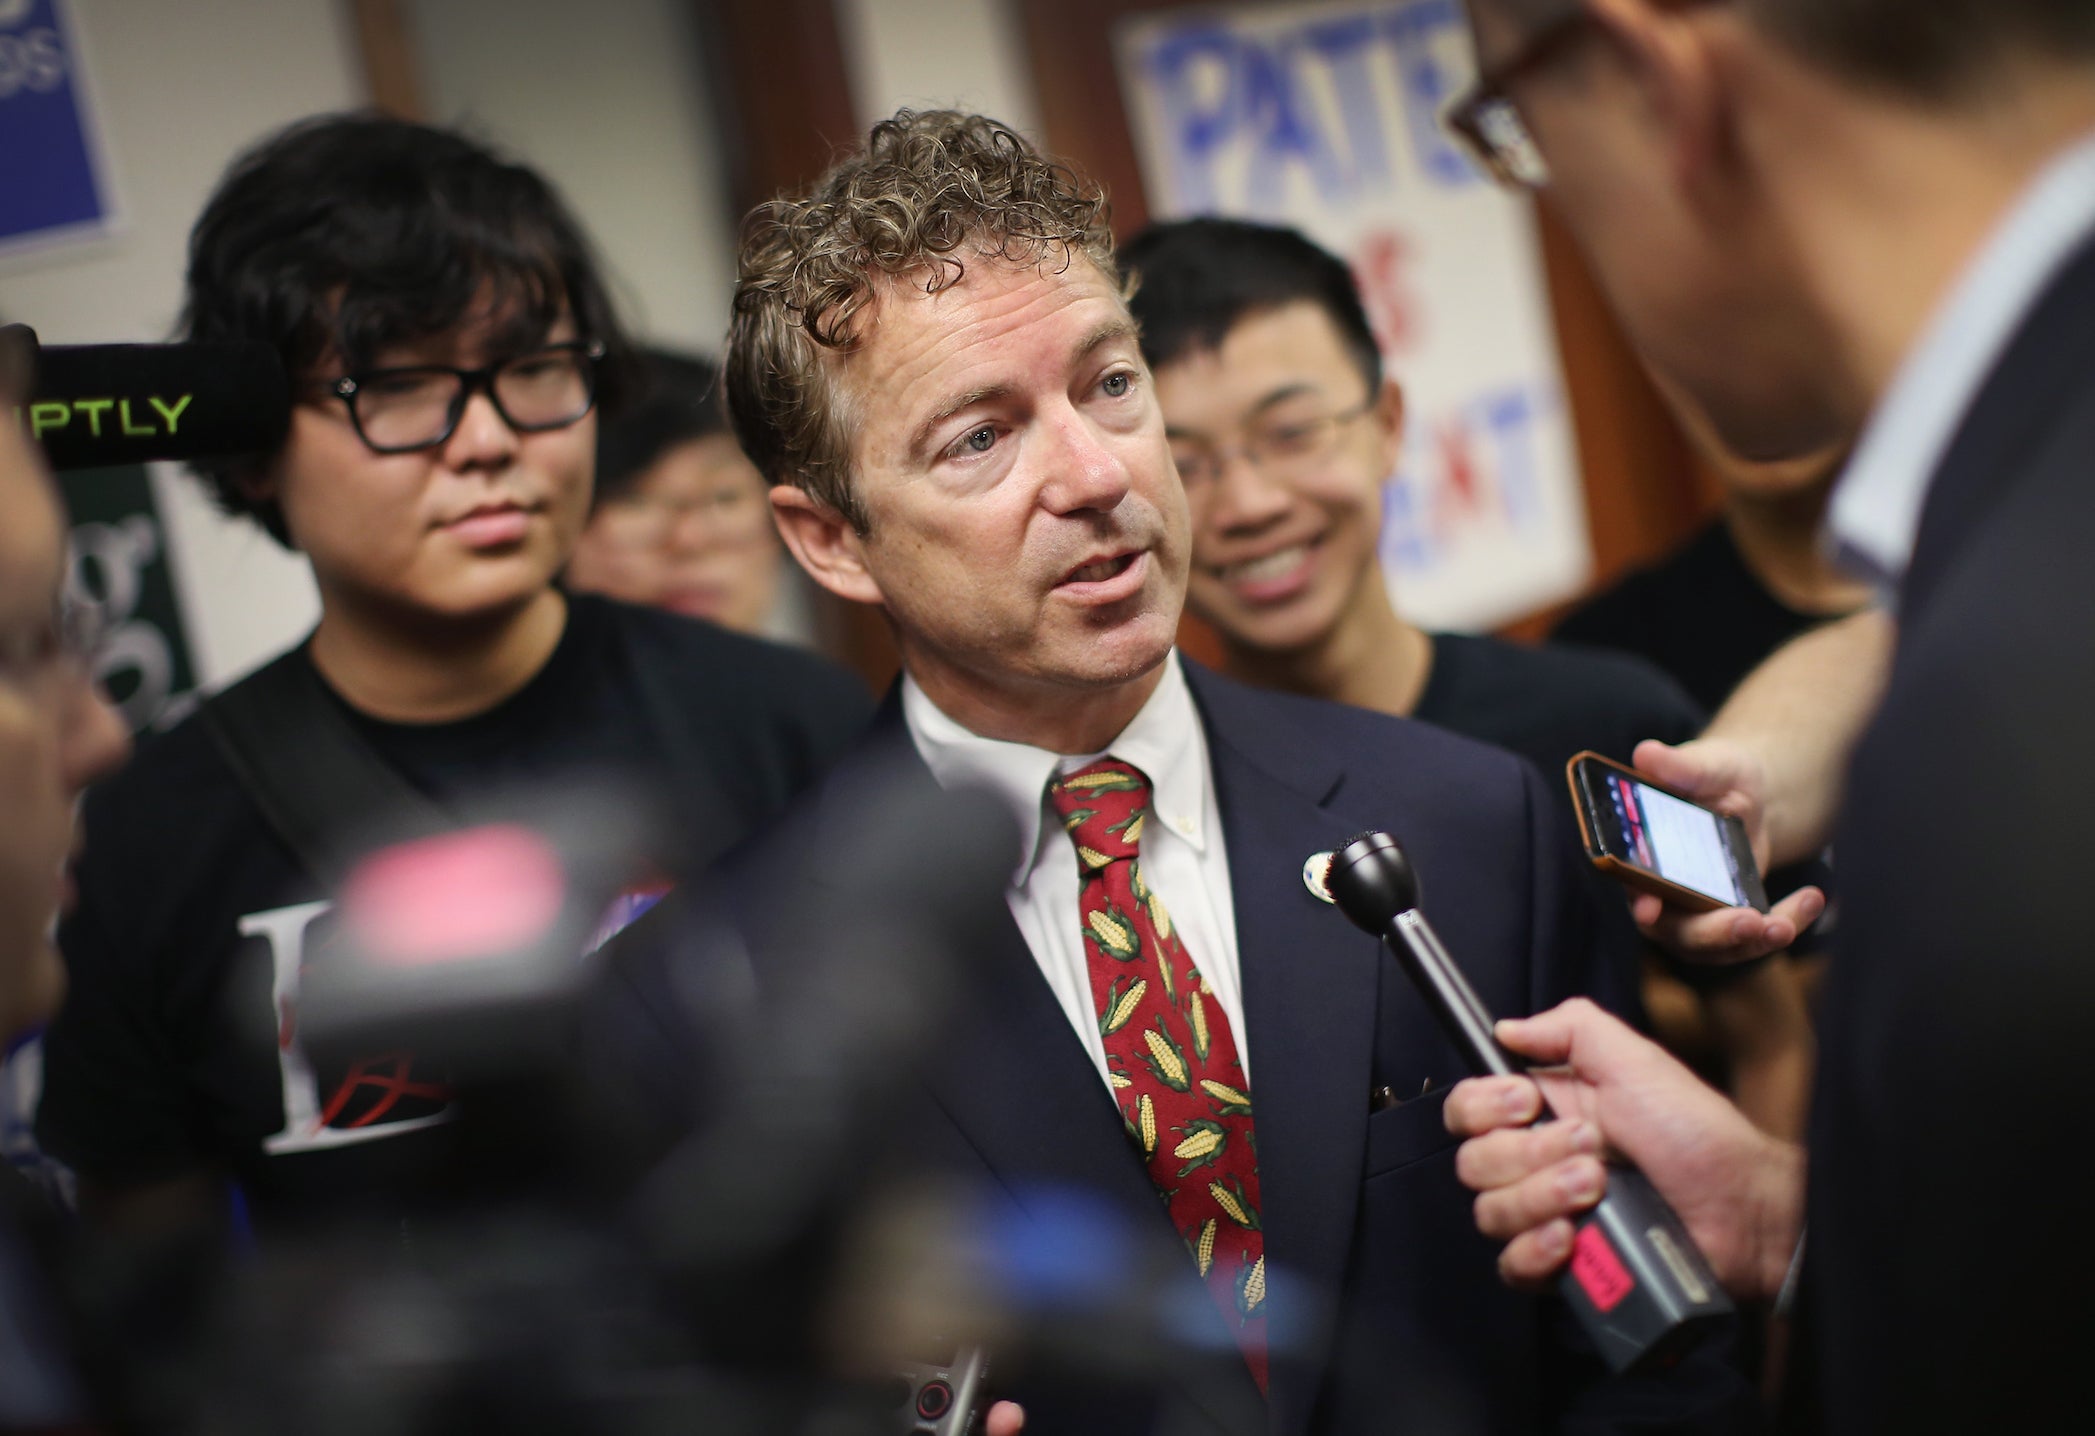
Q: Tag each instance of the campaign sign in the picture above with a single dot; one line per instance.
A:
(1326, 117)
(51, 181)
(119, 561)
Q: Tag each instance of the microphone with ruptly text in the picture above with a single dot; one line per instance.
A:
(94, 406)
(1637, 1282)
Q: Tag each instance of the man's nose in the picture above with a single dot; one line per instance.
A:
(483, 437)
(1243, 496)
(95, 742)
(1084, 470)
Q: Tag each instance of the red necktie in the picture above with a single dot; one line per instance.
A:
(1170, 1053)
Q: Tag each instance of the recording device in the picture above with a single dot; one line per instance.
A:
(95, 406)
(945, 1397)
(1649, 837)
(1636, 1280)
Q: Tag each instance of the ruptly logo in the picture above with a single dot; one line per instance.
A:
(46, 416)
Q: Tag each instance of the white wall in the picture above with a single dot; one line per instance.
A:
(181, 88)
(943, 54)
(604, 99)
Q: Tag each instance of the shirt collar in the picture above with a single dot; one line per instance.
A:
(1164, 740)
(1876, 509)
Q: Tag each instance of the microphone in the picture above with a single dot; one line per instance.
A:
(102, 405)
(1637, 1282)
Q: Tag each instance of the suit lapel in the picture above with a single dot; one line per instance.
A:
(1310, 983)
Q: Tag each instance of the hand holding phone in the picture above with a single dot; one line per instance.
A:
(1729, 778)
(1659, 841)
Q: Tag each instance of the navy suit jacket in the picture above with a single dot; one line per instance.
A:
(1400, 1321)
(1947, 1284)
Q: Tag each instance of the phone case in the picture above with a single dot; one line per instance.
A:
(1629, 874)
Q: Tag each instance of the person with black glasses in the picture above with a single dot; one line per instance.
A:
(449, 342)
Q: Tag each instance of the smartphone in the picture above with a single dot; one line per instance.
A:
(1651, 838)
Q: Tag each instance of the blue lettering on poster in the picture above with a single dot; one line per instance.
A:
(50, 180)
(1222, 91)
(1473, 465)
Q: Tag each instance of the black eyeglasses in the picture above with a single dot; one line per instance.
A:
(397, 411)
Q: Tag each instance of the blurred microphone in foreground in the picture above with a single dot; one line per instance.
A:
(600, 1255)
(95, 406)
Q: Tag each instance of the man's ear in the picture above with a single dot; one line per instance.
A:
(1387, 415)
(824, 543)
(1668, 55)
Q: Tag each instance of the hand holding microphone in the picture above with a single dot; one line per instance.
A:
(1738, 1191)
(1635, 1278)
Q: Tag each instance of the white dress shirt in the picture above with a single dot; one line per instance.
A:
(1183, 857)
(1877, 505)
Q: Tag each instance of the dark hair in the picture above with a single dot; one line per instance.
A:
(1930, 49)
(1194, 280)
(675, 399)
(343, 235)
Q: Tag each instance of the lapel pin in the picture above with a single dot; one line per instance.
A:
(1316, 876)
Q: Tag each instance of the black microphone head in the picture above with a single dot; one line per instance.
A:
(1371, 881)
(101, 405)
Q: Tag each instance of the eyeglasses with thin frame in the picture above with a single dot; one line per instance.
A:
(1488, 122)
(418, 406)
(1279, 450)
(66, 641)
(731, 511)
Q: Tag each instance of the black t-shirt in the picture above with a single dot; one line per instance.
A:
(176, 1048)
(1699, 614)
(1549, 703)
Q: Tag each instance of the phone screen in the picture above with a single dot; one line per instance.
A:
(1672, 837)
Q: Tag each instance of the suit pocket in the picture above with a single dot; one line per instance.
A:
(1402, 1135)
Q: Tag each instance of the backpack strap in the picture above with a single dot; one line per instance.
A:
(319, 784)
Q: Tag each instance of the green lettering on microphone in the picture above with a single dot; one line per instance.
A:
(49, 415)
(94, 409)
(123, 412)
(174, 415)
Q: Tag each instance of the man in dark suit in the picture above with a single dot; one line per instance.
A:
(1883, 209)
(933, 361)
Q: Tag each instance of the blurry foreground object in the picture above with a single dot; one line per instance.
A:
(589, 1260)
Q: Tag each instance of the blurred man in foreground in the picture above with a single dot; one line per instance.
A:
(57, 735)
(1813, 216)
(1173, 1037)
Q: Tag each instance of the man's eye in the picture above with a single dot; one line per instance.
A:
(1118, 384)
(980, 440)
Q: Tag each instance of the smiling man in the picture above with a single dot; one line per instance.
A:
(932, 358)
(448, 338)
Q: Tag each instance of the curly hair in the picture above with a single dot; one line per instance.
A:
(929, 192)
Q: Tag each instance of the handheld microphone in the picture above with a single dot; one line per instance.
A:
(98, 406)
(1637, 1282)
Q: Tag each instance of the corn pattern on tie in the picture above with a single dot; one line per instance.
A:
(1169, 1048)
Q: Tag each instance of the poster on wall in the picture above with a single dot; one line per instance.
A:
(1326, 117)
(53, 183)
(119, 561)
